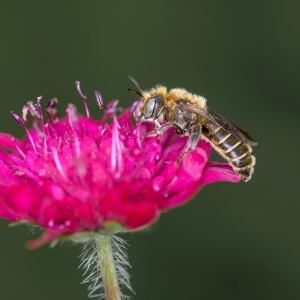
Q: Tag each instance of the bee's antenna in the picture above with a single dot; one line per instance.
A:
(136, 84)
(135, 91)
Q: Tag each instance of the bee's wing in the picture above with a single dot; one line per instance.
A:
(206, 113)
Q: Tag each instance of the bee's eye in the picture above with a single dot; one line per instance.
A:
(149, 108)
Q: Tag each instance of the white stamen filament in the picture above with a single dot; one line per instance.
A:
(138, 134)
(58, 164)
(24, 113)
(72, 115)
(18, 148)
(113, 151)
(116, 153)
(77, 146)
(45, 146)
(31, 139)
(41, 114)
(83, 97)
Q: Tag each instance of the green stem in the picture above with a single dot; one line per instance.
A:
(107, 265)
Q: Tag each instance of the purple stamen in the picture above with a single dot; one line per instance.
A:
(113, 107)
(72, 115)
(32, 109)
(110, 109)
(51, 111)
(83, 97)
(52, 103)
(100, 100)
(39, 107)
(18, 119)
(25, 112)
(22, 123)
(134, 109)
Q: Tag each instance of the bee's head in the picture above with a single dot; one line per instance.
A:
(152, 107)
(153, 102)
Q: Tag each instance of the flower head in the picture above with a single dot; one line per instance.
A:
(76, 174)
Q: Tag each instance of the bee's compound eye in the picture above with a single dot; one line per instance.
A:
(149, 108)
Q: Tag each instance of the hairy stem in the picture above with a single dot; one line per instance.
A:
(107, 266)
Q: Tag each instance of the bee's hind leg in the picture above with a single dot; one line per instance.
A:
(160, 129)
(194, 137)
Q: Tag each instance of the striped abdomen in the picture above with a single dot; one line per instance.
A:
(236, 152)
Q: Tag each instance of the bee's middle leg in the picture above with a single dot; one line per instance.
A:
(194, 137)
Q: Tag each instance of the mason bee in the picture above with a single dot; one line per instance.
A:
(188, 114)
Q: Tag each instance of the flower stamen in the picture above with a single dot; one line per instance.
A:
(99, 100)
(18, 148)
(32, 109)
(137, 133)
(41, 117)
(22, 123)
(134, 109)
(116, 152)
(72, 115)
(58, 164)
(83, 97)
(51, 111)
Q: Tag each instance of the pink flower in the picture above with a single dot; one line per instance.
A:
(75, 174)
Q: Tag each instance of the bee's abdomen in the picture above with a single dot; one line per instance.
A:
(236, 152)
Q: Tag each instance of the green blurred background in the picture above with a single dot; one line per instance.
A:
(233, 241)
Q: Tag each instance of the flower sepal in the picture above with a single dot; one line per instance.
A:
(110, 228)
(21, 223)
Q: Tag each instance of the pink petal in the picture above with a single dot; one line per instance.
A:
(215, 171)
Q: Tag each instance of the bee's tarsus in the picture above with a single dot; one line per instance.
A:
(180, 157)
(152, 133)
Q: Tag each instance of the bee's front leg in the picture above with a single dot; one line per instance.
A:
(160, 130)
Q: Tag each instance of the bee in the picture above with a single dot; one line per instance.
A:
(188, 114)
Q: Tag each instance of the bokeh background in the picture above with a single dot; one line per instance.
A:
(232, 241)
